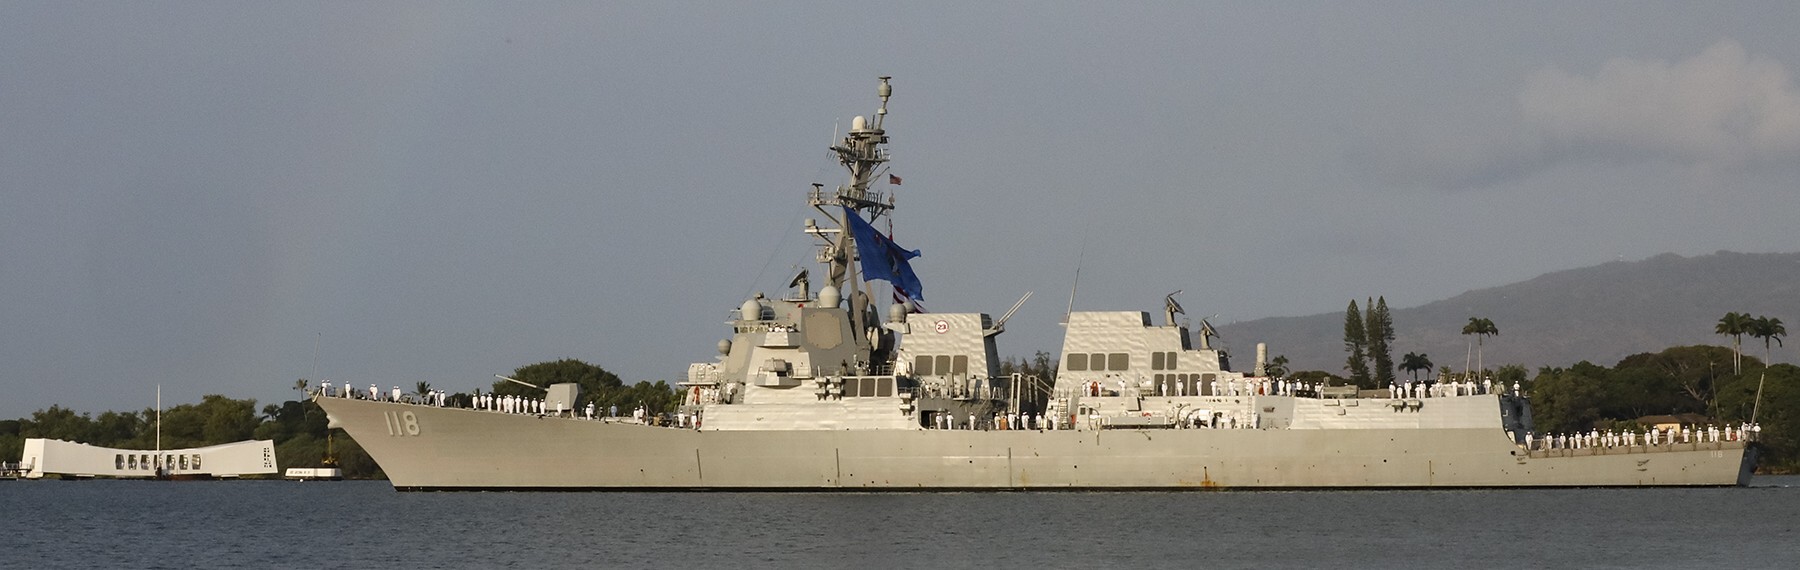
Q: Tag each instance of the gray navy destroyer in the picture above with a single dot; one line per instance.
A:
(825, 390)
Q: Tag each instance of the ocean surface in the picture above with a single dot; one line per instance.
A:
(366, 524)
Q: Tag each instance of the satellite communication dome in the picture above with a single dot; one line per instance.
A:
(897, 313)
(859, 124)
(829, 296)
(751, 310)
(725, 346)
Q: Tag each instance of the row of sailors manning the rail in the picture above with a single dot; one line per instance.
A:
(441, 398)
(1018, 421)
(507, 404)
(1652, 437)
(434, 397)
(1283, 387)
(1232, 387)
(1445, 389)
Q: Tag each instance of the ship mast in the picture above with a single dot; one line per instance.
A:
(862, 155)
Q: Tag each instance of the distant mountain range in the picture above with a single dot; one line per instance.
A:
(1600, 314)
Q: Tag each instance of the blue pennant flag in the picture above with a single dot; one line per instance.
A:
(882, 258)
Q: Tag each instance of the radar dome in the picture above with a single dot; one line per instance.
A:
(859, 124)
(725, 346)
(897, 313)
(829, 296)
(751, 310)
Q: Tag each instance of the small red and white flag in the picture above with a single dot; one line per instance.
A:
(895, 180)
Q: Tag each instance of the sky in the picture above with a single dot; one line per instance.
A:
(225, 197)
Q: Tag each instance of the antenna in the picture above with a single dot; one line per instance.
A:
(1172, 307)
(1757, 405)
(315, 365)
(884, 91)
(1207, 332)
(1077, 285)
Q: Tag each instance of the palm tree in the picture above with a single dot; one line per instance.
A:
(1734, 325)
(1278, 366)
(1413, 362)
(1481, 328)
(421, 389)
(1768, 329)
(300, 385)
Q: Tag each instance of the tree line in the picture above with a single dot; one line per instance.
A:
(297, 427)
(1718, 383)
(1696, 383)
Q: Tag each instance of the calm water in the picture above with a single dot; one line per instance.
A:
(279, 524)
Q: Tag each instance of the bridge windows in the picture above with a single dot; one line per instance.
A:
(853, 388)
(1163, 360)
(944, 365)
(1100, 362)
(1118, 361)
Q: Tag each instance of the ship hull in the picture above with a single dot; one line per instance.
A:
(429, 448)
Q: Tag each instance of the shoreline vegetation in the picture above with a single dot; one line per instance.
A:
(1696, 382)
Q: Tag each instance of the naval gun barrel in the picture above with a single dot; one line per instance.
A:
(523, 383)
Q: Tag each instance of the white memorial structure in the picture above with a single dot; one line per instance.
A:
(57, 457)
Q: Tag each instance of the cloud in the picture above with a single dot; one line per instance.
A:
(1721, 109)
(1722, 106)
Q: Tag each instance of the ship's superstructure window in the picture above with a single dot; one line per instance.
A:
(118, 461)
(868, 387)
(1162, 360)
(1118, 361)
(1177, 384)
(945, 365)
(1100, 362)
